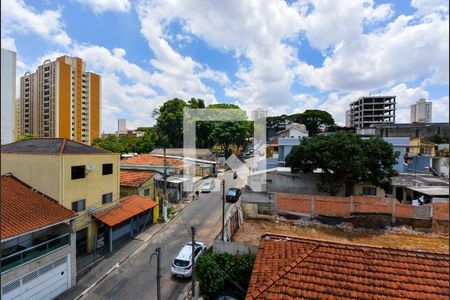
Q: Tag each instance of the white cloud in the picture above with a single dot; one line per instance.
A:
(100, 6)
(425, 7)
(8, 43)
(20, 18)
(406, 49)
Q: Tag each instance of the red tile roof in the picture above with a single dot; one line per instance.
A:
(134, 178)
(127, 208)
(24, 209)
(299, 268)
(152, 160)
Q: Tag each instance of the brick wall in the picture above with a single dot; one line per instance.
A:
(315, 205)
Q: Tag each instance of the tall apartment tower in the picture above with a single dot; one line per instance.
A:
(371, 110)
(62, 100)
(8, 96)
(421, 111)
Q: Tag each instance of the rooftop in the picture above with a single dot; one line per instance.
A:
(151, 160)
(23, 209)
(288, 267)
(180, 151)
(51, 146)
(135, 178)
(127, 208)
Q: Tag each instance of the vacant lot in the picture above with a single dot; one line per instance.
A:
(396, 238)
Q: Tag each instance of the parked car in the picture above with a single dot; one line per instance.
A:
(233, 195)
(208, 186)
(182, 264)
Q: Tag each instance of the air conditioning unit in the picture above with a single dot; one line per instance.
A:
(90, 167)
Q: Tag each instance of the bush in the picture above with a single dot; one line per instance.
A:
(221, 272)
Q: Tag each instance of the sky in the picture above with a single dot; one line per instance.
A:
(284, 56)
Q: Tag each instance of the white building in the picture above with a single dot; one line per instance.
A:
(421, 111)
(124, 125)
(8, 96)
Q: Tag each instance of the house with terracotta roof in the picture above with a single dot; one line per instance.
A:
(129, 217)
(139, 182)
(288, 267)
(80, 177)
(38, 259)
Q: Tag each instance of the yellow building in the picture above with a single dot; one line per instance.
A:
(419, 146)
(80, 177)
(61, 99)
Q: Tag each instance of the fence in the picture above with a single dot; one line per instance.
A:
(332, 206)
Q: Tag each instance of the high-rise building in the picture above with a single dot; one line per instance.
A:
(8, 96)
(61, 99)
(124, 124)
(371, 110)
(421, 111)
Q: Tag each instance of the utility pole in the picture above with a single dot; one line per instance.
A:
(165, 201)
(193, 263)
(223, 210)
(158, 271)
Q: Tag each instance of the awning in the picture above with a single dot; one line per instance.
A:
(128, 207)
(431, 190)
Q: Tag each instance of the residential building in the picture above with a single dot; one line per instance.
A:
(155, 163)
(421, 111)
(80, 177)
(139, 182)
(367, 111)
(8, 96)
(132, 215)
(290, 267)
(61, 100)
(38, 258)
(125, 125)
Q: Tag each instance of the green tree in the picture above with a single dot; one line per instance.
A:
(169, 122)
(213, 280)
(344, 158)
(314, 120)
(25, 137)
(110, 143)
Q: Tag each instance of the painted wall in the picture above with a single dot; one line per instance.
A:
(149, 184)
(8, 96)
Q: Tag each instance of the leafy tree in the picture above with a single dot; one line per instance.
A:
(213, 280)
(313, 120)
(143, 144)
(438, 139)
(110, 143)
(25, 137)
(344, 158)
(169, 122)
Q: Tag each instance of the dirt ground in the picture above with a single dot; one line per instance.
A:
(398, 237)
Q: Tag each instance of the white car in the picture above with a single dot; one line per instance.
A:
(208, 186)
(182, 264)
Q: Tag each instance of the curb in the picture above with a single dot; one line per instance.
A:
(117, 265)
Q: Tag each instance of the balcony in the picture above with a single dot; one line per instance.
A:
(15, 253)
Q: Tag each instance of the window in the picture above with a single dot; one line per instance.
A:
(146, 192)
(79, 205)
(78, 172)
(107, 198)
(107, 169)
(369, 191)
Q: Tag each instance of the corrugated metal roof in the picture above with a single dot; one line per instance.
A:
(51, 146)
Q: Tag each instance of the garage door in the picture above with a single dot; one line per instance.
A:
(46, 282)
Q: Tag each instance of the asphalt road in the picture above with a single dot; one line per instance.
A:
(136, 277)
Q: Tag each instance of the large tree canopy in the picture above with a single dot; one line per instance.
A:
(314, 120)
(169, 122)
(344, 158)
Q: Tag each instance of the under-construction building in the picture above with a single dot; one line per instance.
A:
(371, 110)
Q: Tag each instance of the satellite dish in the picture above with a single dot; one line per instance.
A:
(90, 167)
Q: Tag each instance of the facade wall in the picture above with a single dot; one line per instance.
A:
(91, 188)
(29, 168)
(149, 184)
(8, 96)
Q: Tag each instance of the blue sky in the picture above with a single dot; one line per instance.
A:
(283, 56)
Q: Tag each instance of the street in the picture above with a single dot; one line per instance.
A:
(136, 277)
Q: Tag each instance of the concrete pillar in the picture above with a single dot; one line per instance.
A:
(404, 195)
(351, 204)
(312, 207)
(110, 239)
(394, 207)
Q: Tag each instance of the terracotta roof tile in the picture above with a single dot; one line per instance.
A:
(24, 209)
(291, 267)
(135, 178)
(153, 160)
(127, 208)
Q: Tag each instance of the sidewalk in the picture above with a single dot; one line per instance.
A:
(110, 262)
